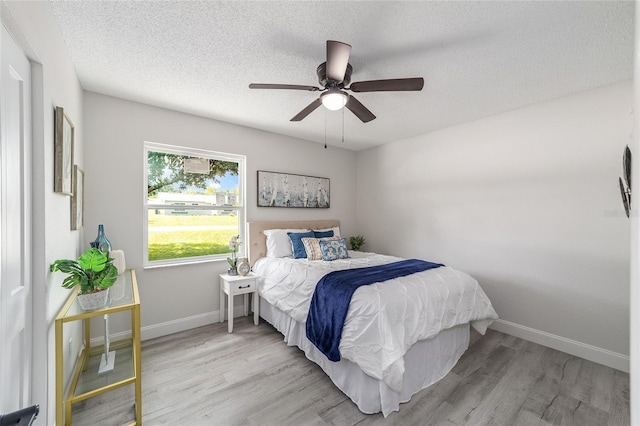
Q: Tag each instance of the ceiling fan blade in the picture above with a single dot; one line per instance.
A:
(391, 85)
(337, 59)
(283, 86)
(359, 110)
(308, 110)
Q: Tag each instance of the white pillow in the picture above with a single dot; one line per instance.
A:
(278, 242)
(335, 229)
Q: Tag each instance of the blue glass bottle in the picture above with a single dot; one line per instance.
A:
(102, 243)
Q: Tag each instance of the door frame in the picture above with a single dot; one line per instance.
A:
(21, 195)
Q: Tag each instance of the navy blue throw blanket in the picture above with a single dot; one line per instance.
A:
(330, 302)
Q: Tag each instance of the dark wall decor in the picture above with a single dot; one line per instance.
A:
(290, 190)
(63, 154)
(77, 199)
(625, 190)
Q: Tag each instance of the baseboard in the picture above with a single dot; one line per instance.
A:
(573, 347)
(170, 327)
(178, 325)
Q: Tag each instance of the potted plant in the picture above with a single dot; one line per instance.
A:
(94, 272)
(234, 246)
(357, 242)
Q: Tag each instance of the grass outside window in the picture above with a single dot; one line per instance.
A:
(175, 236)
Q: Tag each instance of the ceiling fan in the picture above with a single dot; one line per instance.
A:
(334, 76)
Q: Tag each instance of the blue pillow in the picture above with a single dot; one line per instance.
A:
(334, 249)
(323, 234)
(297, 245)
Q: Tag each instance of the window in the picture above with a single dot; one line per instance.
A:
(194, 204)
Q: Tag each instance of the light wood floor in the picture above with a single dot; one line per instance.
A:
(206, 376)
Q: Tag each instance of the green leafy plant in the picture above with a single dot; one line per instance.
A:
(356, 242)
(93, 271)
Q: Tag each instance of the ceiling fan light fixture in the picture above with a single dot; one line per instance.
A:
(334, 76)
(334, 99)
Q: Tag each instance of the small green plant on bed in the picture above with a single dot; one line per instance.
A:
(356, 242)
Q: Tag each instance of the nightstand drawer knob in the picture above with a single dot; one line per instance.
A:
(244, 286)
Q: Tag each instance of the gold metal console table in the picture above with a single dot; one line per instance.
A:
(85, 381)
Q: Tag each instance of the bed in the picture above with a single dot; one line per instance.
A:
(384, 362)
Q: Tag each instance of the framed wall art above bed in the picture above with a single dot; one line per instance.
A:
(291, 190)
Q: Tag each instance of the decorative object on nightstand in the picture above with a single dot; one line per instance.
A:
(234, 245)
(93, 272)
(244, 268)
(356, 242)
(235, 285)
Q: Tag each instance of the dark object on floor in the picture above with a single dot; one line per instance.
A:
(24, 417)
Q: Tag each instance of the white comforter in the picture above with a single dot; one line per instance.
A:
(384, 319)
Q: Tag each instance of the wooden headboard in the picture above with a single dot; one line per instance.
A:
(258, 241)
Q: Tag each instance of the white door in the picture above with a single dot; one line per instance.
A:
(15, 227)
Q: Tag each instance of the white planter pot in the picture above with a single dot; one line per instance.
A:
(92, 301)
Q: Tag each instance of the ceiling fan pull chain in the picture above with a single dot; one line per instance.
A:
(342, 125)
(325, 130)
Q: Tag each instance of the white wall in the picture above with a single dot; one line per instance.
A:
(176, 298)
(634, 382)
(54, 84)
(527, 202)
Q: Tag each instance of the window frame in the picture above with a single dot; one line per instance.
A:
(240, 208)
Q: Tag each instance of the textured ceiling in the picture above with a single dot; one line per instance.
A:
(477, 58)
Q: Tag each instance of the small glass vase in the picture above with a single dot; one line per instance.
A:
(232, 271)
(101, 242)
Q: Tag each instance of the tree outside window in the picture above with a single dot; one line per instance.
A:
(194, 203)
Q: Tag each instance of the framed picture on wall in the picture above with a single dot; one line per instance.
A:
(63, 154)
(291, 190)
(77, 199)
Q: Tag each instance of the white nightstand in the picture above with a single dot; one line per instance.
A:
(233, 285)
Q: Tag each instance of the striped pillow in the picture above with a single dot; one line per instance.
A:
(312, 247)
